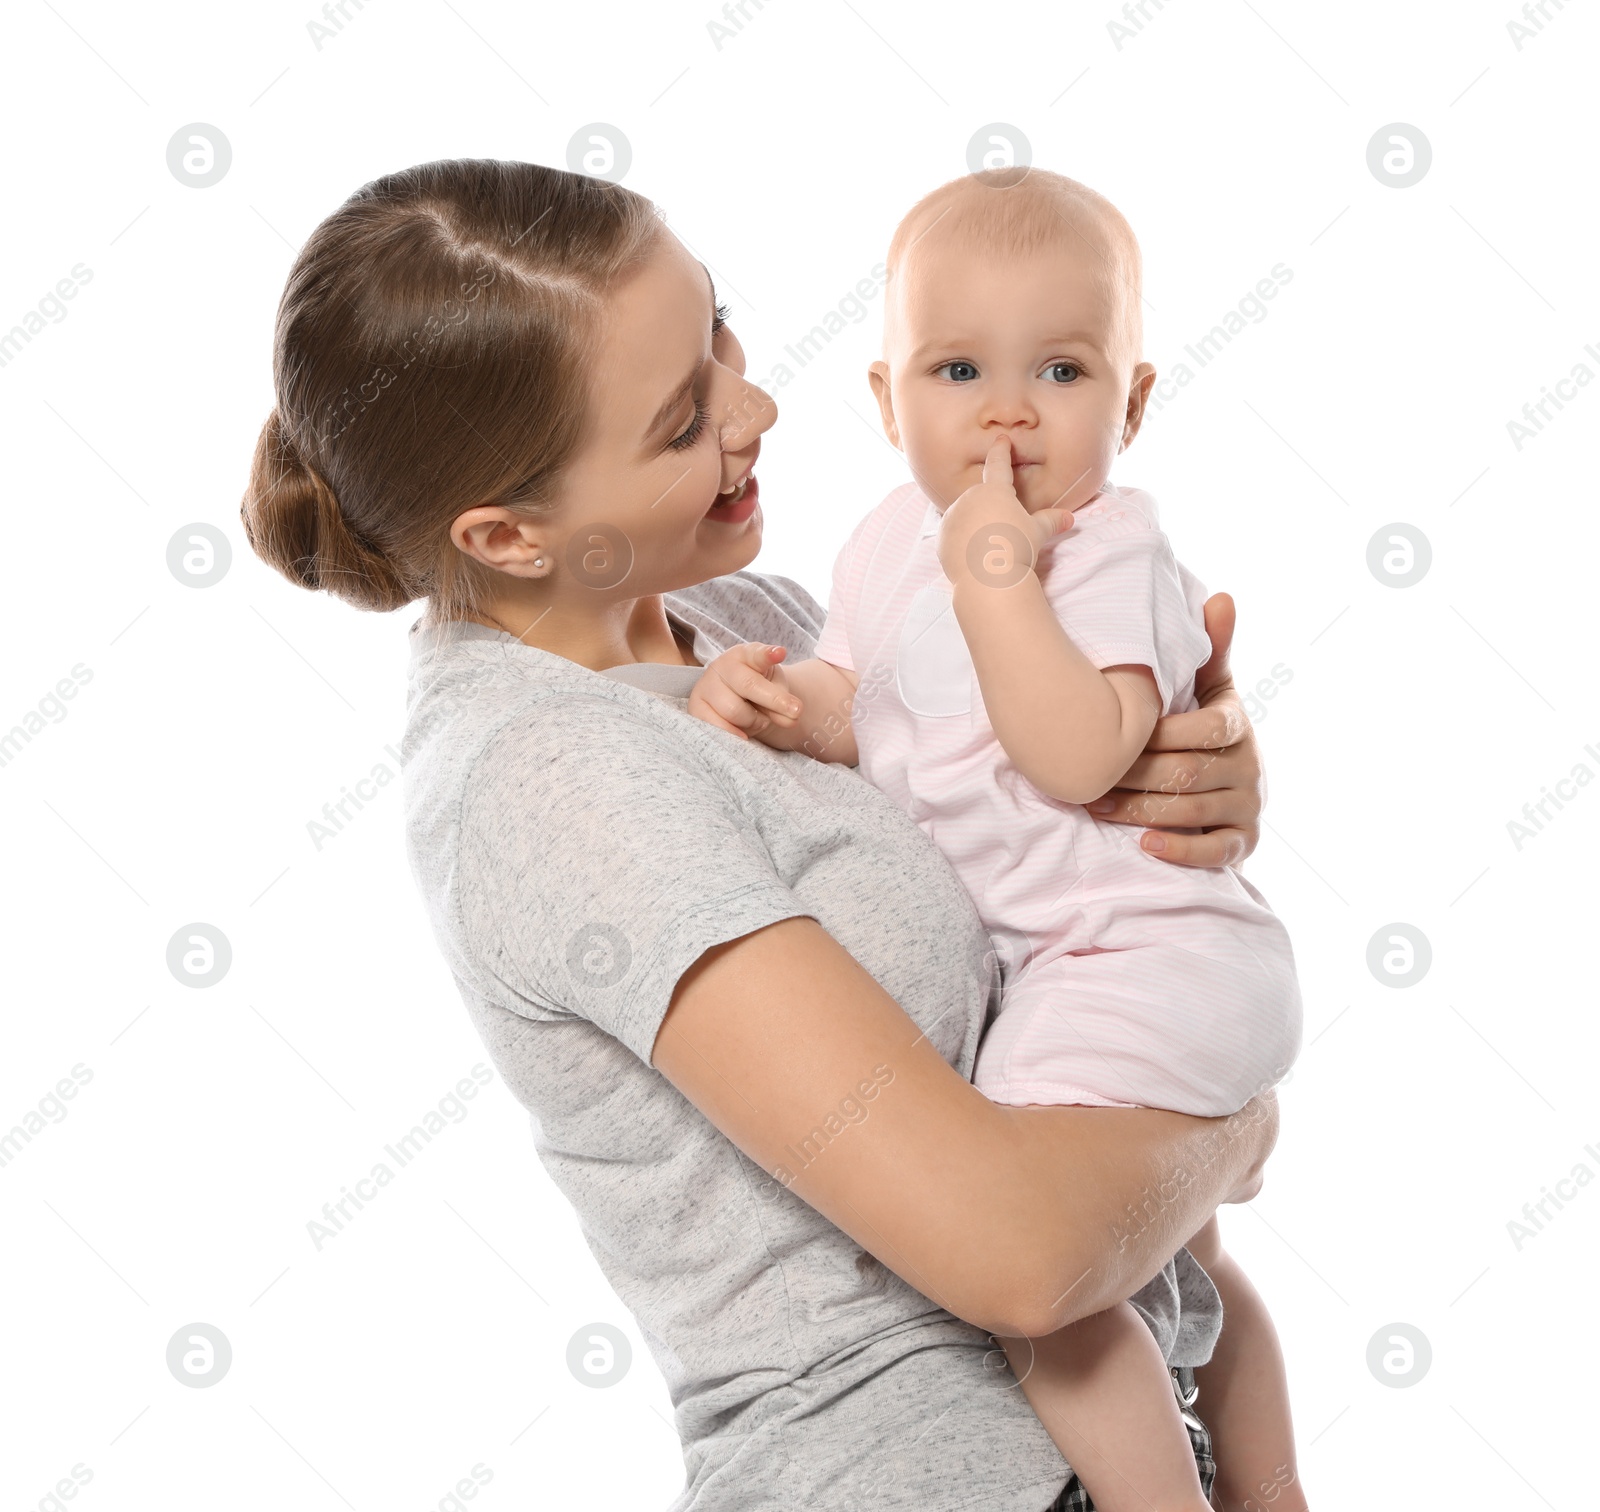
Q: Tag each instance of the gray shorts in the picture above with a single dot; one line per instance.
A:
(1075, 1497)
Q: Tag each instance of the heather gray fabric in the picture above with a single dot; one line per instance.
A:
(579, 841)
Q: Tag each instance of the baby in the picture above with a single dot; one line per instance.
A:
(1006, 630)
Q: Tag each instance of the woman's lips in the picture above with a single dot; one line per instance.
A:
(739, 507)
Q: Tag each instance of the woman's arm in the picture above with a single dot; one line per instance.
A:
(1019, 1220)
(1200, 770)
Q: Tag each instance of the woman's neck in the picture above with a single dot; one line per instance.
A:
(635, 630)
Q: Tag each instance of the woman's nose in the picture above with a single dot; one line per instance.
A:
(746, 414)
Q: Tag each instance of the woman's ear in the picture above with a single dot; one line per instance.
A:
(878, 376)
(503, 539)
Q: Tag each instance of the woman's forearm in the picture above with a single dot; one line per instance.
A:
(1130, 1186)
(1016, 1219)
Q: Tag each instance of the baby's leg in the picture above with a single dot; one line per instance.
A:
(1244, 1393)
(1103, 1393)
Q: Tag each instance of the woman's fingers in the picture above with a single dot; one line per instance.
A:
(1218, 725)
(1189, 769)
(1221, 844)
(1218, 847)
(1190, 789)
(1197, 810)
(1220, 617)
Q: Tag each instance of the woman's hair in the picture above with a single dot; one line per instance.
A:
(431, 355)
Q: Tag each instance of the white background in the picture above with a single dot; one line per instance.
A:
(430, 1335)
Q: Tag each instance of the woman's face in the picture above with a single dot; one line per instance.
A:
(661, 494)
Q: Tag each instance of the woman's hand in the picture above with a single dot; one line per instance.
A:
(744, 692)
(1199, 771)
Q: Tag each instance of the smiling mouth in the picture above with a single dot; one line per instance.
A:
(734, 494)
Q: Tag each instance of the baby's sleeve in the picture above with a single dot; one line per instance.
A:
(1121, 596)
(598, 860)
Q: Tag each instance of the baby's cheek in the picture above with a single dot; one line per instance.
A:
(936, 447)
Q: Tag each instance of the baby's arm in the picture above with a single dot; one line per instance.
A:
(804, 707)
(1071, 728)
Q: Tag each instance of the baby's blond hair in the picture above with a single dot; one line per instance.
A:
(998, 212)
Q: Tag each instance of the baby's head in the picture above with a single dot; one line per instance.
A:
(1013, 308)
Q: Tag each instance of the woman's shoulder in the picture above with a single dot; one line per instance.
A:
(499, 727)
(467, 682)
(751, 606)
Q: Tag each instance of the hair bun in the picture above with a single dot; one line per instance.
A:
(293, 522)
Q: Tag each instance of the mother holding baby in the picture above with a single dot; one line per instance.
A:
(739, 990)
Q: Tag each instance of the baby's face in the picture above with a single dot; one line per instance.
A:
(1032, 346)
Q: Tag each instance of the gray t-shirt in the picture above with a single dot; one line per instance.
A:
(580, 841)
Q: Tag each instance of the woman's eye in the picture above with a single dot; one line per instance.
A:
(1057, 368)
(720, 319)
(692, 433)
(960, 371)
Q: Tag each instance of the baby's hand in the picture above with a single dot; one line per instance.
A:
(987, 535)
(745, 692)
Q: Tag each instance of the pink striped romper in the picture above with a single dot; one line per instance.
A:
(1126, 981)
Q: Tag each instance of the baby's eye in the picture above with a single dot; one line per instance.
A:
(960, 371)
(1056, 369)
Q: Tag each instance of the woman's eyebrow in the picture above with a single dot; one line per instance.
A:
(674, 400)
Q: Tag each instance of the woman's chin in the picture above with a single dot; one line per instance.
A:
(735, 544)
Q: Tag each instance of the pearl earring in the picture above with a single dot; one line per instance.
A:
(538, 561)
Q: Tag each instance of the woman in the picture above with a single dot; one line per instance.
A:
(739, 990)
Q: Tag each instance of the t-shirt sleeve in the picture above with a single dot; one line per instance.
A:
(1121, 598)
(598, 860)
(833, 645)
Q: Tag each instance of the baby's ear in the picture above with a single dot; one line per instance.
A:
(878, 377)
(1144, 376)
